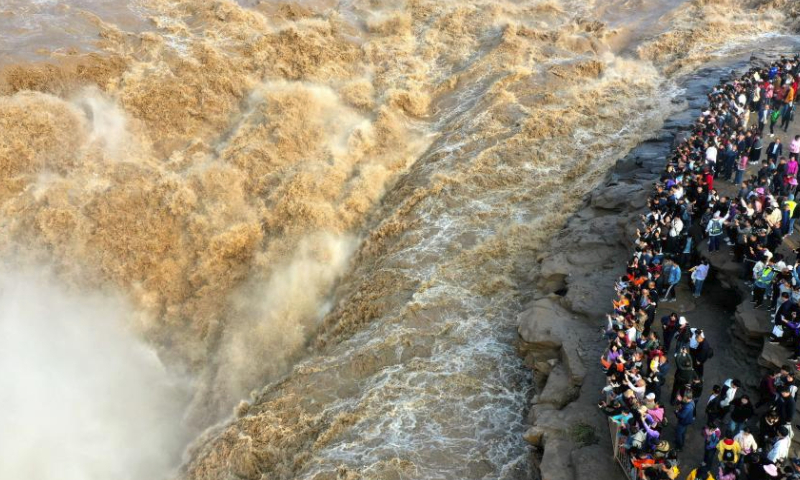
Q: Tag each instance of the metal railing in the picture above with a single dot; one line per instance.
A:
(620, 454)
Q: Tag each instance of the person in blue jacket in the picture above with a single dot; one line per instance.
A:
(685, 414)
(673, 279)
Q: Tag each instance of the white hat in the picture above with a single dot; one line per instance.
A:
(650, 396)
(682, 321)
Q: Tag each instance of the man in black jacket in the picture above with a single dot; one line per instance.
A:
(729, 157)
(784, 312)
(785, 406)
(684, 373)
(647, 306)
(741, 412)
(669, 325)
(701, 353)
(775, 150)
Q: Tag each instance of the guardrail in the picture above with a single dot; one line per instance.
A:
(620, 454)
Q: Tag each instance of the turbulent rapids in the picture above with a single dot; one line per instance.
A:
(322, 215)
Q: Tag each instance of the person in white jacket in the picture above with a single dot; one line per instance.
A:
(746, 440)
(711, 154)
(729, 389)
(675, 227)
(780, 450)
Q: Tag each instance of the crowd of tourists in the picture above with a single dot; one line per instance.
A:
(743, 437)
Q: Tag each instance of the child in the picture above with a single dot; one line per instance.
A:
(712, 435)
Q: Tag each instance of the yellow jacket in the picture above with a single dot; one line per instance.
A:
(792, 206)
(693, 476)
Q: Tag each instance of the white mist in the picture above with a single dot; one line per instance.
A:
(80, 397)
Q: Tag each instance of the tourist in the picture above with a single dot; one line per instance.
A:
(728, 450)
(742, 410)
(763, 280)
(763, 117)
(774, 116)
(673, 279)
(700, 474)
(684, 372)
(715, 231)
(794, 148)
(699, 274)
(685, 414)
(787, 223)
(746, 441)
(780, 449)
(711, 438)
(729, 390)
(727, 472)
(766, 389)
(774, 150)
(683, 207)
(768, 427)
(713, 409)
(700, 351)
(669, 325)
(787, 115)
(755, 149)
(785, 407)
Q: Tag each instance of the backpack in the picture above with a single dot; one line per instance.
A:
(716, 228)
(713, 407)
(727, 455)
(710, 353)
(765, 279)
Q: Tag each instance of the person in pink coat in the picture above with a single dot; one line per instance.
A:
(794, 147)
(791, 167)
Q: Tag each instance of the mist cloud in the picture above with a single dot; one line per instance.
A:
(80, 397)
